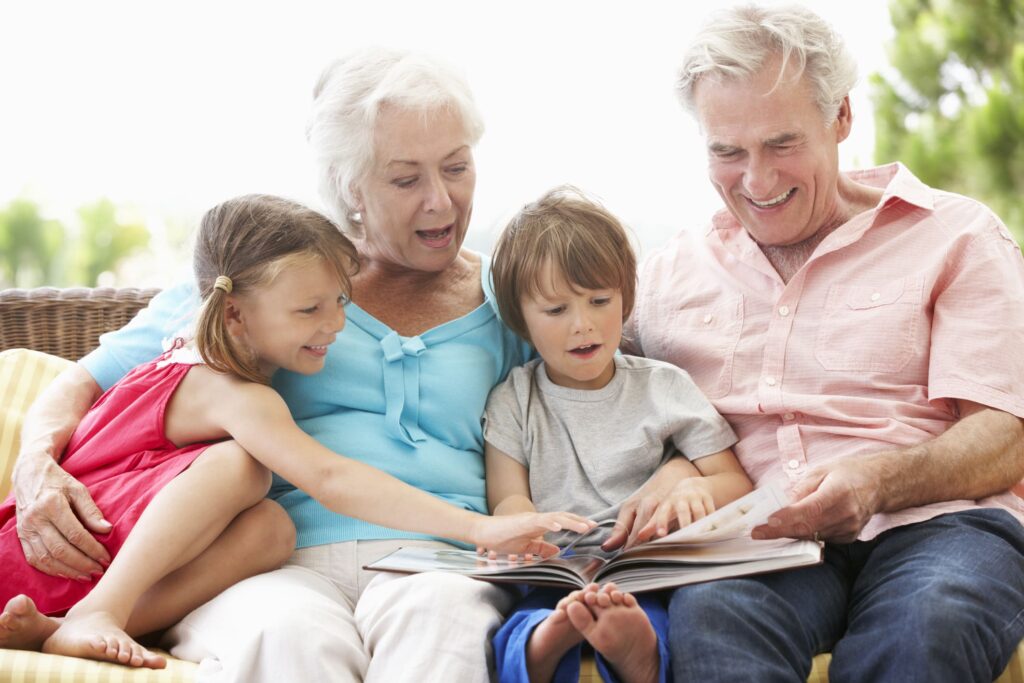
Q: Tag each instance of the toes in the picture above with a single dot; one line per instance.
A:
(153, 661)
(580, 617)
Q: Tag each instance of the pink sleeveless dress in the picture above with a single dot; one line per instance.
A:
(121, 454)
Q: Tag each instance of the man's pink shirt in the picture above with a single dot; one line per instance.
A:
(898, 313)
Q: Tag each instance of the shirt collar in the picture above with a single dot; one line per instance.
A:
(899, 183)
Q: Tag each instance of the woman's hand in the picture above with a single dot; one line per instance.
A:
(56, 521)
(523, 533)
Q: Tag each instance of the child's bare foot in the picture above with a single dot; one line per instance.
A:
(615, 625)
(23, 627)
(551, 640)
(97, 636)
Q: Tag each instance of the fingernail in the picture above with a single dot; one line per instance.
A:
(757, 535)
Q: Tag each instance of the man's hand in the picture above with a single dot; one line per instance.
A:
(52, 507)
(832, 502)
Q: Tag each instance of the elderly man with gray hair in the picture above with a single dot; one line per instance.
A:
(862, 333)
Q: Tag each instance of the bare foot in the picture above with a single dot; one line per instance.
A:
(551, 639)
(23, 627)
(615, 625)
(96, 635)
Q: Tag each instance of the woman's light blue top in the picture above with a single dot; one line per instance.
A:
(410, 406)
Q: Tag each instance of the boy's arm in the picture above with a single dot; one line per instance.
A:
(724, 476)
(508, 483)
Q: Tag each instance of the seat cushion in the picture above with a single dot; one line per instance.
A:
(35, 667)
(23, 374)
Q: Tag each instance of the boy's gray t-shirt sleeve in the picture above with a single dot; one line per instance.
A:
(504, 418)
(698, 428)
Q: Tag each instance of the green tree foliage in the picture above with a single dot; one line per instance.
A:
(35, 251)
(104, 240)
(954, 113)
(29, 244)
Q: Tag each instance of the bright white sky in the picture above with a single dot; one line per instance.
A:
(170, 108)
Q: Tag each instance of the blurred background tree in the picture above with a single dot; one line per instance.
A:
(105, 241)
(953, 110)
(35, 250)
(30, 245)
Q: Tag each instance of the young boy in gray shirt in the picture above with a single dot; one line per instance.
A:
(582, 428)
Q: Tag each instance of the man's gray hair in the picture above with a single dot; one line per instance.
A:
(347, 101)
(738, 41)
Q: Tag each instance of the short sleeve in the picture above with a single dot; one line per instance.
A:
(699, 429)
(504, 421)
(168, 313)
(978, 325)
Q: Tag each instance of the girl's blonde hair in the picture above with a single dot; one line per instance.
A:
(580, 238)
(251, 240)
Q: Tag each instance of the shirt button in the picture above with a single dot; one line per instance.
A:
(784, 311)
(876, 296)
(787, 416)
(708, 318)
(770, 381)
(793, 464)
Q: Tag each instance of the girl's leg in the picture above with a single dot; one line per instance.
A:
(181, 522)
(260, 539)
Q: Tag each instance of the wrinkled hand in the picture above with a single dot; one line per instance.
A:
(56, 521)
(834, 500)
(523, 533)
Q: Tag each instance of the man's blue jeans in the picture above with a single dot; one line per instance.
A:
(942, 600)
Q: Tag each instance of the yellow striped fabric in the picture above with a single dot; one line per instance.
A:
(18, 666)
(23, 374)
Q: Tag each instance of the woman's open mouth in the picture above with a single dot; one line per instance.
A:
(437, 238)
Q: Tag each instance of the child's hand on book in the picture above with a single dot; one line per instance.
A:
(691, 499)
(523, 533)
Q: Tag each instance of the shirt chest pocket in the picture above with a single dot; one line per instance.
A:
(870, 328)
(702, 340)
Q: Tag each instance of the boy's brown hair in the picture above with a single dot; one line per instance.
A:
(251, 239)
(580, 238)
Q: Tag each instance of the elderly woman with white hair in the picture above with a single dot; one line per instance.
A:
(403, 389)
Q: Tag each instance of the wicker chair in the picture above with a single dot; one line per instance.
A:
(65, 322)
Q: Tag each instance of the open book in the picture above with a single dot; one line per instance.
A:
(715, 547)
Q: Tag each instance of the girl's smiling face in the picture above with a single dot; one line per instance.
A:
(290, 322)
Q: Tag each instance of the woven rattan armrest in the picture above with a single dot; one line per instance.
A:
(65, 322)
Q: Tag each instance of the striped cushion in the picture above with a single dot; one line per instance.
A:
(23, 374)
(33, 667)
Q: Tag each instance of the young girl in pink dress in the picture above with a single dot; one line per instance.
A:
(178, 454)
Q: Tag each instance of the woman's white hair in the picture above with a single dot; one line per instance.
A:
(346, 102)
(736, 42)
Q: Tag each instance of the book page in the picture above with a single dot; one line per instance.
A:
(735, 520)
